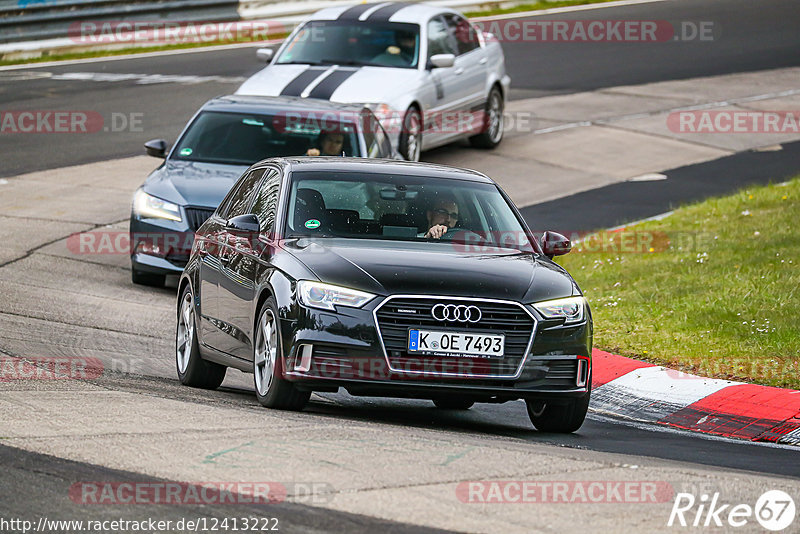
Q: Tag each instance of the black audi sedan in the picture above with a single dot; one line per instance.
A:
(225, 137)
(386, 278)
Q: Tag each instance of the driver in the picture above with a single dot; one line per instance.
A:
(330, 144)
(402, 53)
(442, 216)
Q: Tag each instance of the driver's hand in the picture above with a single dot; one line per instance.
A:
(437, 231)
(312, 152)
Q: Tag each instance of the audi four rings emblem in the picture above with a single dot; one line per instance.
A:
(456, 312)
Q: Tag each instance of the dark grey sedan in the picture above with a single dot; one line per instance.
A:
(225, 137)
(392, 279)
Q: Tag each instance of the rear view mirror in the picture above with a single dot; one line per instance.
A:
(555, 244)
(395, 194)
(265, 54)
(442, 61)
(156, 148)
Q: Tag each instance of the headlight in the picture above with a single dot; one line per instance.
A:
(385, 114)
(571, 309)
(145, 205)
(327, 296)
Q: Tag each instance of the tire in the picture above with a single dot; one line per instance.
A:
(193, 370)
(453, 403)
(492, 132)
(272, 390)
(147, 279)
(559, 418)
(410, 144)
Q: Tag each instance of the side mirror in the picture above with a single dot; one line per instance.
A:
(442, 61)
(555, 244)
(244, 223)
(265, 54)
(156, 148)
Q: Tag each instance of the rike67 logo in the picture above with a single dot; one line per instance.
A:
(774, 510)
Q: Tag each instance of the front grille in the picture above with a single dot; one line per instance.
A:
(195, 217)
(395, 318)
(330, 362)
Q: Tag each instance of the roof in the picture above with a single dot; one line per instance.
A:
(382, 12)
(276, 104)
(380, 166)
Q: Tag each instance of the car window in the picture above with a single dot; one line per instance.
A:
(385, 145)
(266, 202)
(238, 198)
(441, 39)
(245, 138)
(378, 144)
(465, 35)
(353, 42)
(400, 207)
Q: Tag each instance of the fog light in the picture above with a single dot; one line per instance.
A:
(583, 373)
(303, 365)
(147, 247)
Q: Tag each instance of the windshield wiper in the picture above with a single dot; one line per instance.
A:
(300, 62)
(348, 62)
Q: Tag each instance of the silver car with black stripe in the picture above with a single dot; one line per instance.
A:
(428, 74)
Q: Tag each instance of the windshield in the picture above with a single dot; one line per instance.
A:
(245, 138)
(405, 208)
(351, 42)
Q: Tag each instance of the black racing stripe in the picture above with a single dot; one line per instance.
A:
(296, 86)
(327, 86)
(355, 11)
(384, 13)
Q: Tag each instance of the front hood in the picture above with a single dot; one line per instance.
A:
(359, 87)
(385, 267)
(190, 183)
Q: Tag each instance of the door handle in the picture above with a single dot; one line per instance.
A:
(225, 253)
(459, 70)
(483, 61)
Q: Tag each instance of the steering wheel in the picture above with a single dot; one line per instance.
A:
(467, 236)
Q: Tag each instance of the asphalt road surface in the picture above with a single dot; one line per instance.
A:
(92, 307)
(748, 36)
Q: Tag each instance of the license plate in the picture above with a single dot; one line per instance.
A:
(456, 344)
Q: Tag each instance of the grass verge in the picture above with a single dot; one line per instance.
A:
(536, 6)
(713, 289)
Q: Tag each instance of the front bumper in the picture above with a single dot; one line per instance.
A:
(327, 350)
(160, 247)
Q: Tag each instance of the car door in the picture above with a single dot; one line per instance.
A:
(446, 81)
(214, 275)
(471, 66)
(237, 285)
(208, 278)
(208, 248)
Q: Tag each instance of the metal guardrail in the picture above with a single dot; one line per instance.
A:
(31, 20)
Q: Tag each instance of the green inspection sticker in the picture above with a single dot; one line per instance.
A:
(312, 223)
(186, 152)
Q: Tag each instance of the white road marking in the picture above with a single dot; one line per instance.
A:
(141, 79)
(649, 177)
